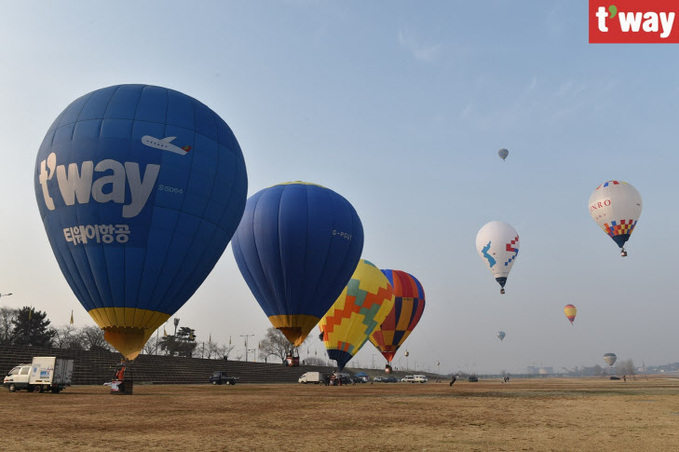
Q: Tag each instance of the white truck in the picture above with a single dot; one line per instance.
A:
(311, 377)
(45, 373)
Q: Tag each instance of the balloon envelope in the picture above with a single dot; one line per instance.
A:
(503, 153)
(498, 245)
(610, 358)
(616, 208)
(501, 335)
(296, 247)
(140, 189)
(570, 312)
(404, 316)
(363, 305)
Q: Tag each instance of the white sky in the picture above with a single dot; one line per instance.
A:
(400, 106)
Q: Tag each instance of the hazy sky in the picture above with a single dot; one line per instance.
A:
(401, 107)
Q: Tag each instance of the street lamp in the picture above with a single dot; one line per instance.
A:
(246, 344)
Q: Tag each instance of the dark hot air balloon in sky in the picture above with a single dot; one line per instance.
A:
(503, 153)
(140, 189)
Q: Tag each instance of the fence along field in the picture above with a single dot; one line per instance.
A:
(524, 414)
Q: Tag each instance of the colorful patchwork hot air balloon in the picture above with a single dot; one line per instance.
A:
(361, 307)
(570, 312)
(498, 245)
(140, 189)
(296, 247)
(616, 208)
(407, 311)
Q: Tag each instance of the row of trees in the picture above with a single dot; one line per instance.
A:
(28, 326)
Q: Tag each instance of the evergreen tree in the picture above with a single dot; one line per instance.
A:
(31, 327)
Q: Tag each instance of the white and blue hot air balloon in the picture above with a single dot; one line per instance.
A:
(498, 245)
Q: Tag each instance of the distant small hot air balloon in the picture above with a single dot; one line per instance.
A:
(616, 208)
(498, 245)
(570, 312)
(501, 335)
(503, 153)
(610, 358)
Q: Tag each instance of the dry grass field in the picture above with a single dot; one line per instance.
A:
(531, 414)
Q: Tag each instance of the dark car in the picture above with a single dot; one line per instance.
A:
(390, 380)
(473, 378)
(219, 377)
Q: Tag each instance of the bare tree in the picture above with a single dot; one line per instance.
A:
(93, 339)
(315, 361)
(7, 318)
(275, 343)
(213, 350)
(150, 347)
(68, 337)
(626, 368)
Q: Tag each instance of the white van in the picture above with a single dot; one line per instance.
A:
(310, 377)
(415, 379)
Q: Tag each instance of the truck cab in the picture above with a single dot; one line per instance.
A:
(17, 378)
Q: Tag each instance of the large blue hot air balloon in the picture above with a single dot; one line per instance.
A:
(140, 189)
(297, 246)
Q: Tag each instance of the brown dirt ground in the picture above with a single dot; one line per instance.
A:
(530, 414)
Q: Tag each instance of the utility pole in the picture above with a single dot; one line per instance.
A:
(246, 344)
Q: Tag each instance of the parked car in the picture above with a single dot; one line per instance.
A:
(219, 377)
(390, 379)
(380, 379)
(473, 378)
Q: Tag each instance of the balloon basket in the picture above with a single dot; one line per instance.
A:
(122, 387)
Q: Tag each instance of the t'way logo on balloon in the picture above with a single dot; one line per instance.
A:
(77, 184)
